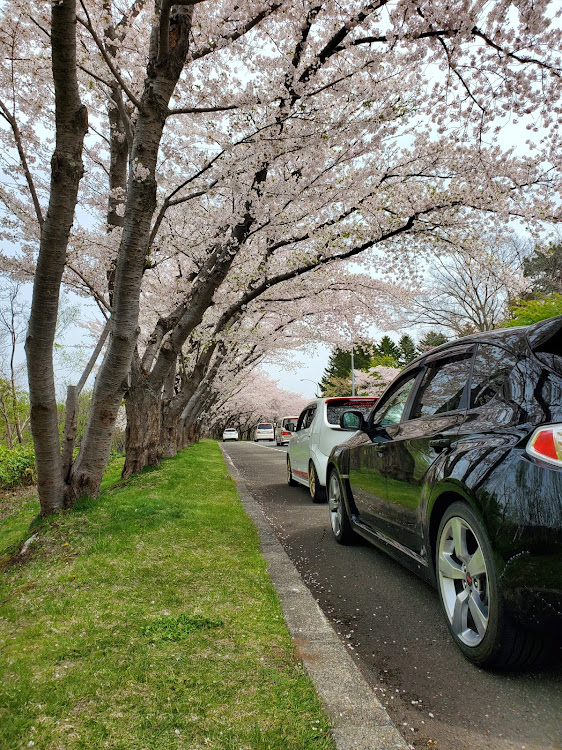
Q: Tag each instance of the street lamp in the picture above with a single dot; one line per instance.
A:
(317, 385)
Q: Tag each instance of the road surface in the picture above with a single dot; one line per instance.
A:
(392, 623)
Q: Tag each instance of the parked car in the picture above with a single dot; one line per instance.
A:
(457, 473)
(282, 431)
(264, 431)
(230, 433)
(315, 434)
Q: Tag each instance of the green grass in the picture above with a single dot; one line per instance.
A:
(146, 619)
(18, 508)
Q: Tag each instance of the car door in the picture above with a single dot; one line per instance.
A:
(427, 429)
(299, 444)
(366, 465)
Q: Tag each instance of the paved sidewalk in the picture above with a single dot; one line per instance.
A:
(359, 721)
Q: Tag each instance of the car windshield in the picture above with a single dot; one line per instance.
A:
(335, 407)
(265, 427)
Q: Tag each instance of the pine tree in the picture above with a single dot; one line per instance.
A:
(544, 267)
(431, 340)
(408, 351)
(387, 348)
(339, 365)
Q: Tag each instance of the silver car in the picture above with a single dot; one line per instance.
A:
(264, 431)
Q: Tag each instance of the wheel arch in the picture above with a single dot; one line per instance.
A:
(439, 507)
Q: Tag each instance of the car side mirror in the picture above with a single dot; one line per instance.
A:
(352, 420)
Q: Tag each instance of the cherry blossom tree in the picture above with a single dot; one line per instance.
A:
(237, 146)
(249, 399)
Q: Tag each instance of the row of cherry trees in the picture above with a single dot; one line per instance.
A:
(214, 165)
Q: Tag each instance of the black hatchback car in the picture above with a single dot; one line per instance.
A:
(457, 473)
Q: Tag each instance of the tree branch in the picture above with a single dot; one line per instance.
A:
(5, 113)
(87, 24)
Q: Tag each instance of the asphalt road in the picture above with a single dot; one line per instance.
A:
(392, 624)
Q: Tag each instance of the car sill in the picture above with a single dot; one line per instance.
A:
(391, 542)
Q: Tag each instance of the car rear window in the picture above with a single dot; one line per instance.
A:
(335, 407)
(265, 426)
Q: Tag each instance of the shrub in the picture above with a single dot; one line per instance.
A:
(17, 466)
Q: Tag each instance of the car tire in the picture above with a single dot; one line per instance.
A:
(290, 481)
(317, 492)
(339, 518)
(471, 597)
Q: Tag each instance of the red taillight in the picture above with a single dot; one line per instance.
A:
(546, 444)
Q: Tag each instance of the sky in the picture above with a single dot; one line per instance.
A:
(307, 367)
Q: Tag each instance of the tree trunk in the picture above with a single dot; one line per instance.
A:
(171, 435)
(142, 441)
(169, 48)
(66, 171)
(6, 416)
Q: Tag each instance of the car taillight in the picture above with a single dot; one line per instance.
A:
(546, 444)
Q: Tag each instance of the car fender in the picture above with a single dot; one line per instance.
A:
(320, 462)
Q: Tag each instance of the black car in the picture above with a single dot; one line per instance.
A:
(457, 473)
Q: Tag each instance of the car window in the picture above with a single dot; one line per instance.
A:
(265, 426)
(309, 417)
(442, 387)
(492, 365)
(305, 418)
(335, 407)
(390, 411)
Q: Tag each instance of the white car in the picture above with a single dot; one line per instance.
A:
(317, 432)
(264, 431)
(283, 432)
(231, 433)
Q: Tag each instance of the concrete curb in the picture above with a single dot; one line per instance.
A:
(359, 720)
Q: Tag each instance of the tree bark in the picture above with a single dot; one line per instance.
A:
(143, 448)
(66, 172)
(163, 71)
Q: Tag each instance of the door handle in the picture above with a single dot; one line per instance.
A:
(440, 443)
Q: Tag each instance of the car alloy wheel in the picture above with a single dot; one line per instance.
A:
(471, 596)
(463, 581)
(339, 519)
(290, 481)
(317, 492)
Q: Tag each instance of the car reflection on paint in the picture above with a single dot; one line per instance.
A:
(458, 474)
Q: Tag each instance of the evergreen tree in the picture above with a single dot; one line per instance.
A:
(431, 340)
(339, 365)
(387, 348)
(544, 268)
(408, 351)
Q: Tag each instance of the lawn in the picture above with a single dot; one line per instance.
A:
(146, 619)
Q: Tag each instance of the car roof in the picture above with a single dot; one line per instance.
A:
(534, 334)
